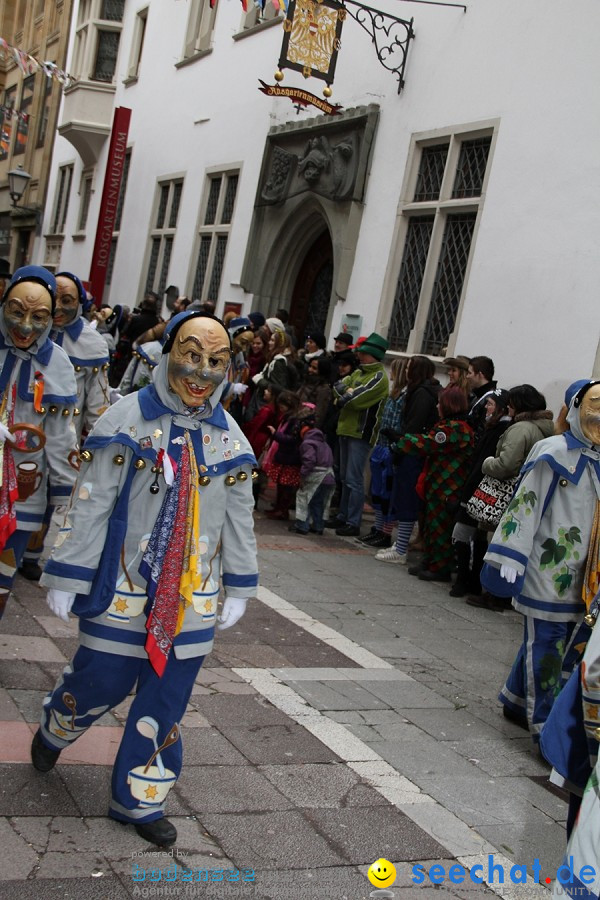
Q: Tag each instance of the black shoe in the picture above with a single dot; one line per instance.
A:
(295, 530)
(30, 570)
(415, 570)
(42, 757)
(488, 601)
(315, 530)
(348, 531)
(381, 541)
(332, 523)
(160, 832)
(428, 575)
(458, 590)
(371, 535)
(515, 718)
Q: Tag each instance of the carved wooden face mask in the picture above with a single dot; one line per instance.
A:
(589, 414)
(27, 312)
(198, 360)
(67, 301)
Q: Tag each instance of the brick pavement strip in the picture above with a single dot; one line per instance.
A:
(276, 779)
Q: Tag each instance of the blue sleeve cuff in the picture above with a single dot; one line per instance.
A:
(242, 581)
(499, 587)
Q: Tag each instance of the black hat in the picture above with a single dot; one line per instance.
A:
(5, 269)
(319, 338)
(344, 337)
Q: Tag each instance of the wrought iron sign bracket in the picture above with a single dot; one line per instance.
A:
(391, 36)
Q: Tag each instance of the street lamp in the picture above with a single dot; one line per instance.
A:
(18, 179)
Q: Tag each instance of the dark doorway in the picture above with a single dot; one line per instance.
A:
(312, 291)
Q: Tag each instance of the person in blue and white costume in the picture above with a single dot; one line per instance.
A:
(161, 518)
(37, 388)
(140, 371)
(545, 554)
(88, 353)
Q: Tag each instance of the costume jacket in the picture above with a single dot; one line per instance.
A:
(516, 442)
(98, 552)
(54, 466)
(88, 353)
(361, 397)
(447, 448)
(138, 373)
(545, 532)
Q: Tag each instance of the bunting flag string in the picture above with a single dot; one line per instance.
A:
(28, 65)
(7, 113)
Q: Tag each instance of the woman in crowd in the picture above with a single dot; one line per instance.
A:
(531, 422)
(257, 359)
(382, 469)
(447, 449)
(466, 534)
(420, 414)
(457, 368)
(316, 388)
(280, 369)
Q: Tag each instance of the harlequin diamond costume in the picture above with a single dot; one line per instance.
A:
(37, 391)
(161, 517)
(545, 554)
(88, 353)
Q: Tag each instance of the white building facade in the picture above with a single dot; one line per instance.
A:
(459, 216)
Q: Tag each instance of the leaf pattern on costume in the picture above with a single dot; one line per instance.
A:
(550, 668)
(523, 499)
(558, 553)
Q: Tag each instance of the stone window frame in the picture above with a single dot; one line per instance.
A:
(440, 208)
(162, 233)
(199, 31)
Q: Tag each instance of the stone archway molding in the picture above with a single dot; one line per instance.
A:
(312, 177)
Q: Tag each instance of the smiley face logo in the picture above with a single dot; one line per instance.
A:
(382, 873)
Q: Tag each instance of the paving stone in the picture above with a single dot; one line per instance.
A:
(17, 621)
(207, 746)
(282, 743)
(272, 840)
(341, 882)
(322, 786)
(18, 858)
(543, 839)
(31, 648)
(29, 703)
(216, 789)
(406, 694)
(9, 711)
(501, 756)
(63, 887)
(221, 709)
(25, 792)
(375, 832)
(450, 724)
(337, 695)
(25, 675)
(56, 628)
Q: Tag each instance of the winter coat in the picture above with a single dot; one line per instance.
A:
(288, 441)
(516, 442)
(361, 397)
(257, 429)
(280, 372)
(447, 448)
(99, 549)
(88, 353)
(420, 407)
(315, 452)
(318, 393)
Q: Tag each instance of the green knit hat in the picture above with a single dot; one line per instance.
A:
(375, 345)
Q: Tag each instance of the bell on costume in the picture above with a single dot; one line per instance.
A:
(242, 476)
(229, 480)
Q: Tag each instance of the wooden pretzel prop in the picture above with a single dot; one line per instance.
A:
(32, 429)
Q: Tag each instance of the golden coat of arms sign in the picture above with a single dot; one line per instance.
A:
(312, 39)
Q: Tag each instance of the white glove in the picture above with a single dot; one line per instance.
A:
(233, 610)
(60, 602)
(5, 434)
(508, 573)
(115, 395)
(239, 388)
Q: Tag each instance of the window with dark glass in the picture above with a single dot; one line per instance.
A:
(24, 113)
(45, 112)
(410, 280)
(220, 197)
(431, 172)
(106, 55)
(471, 168)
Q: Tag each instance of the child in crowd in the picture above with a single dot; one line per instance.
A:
(284, 468)
(316, 476)
(259, 431)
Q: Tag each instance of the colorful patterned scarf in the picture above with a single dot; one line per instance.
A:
(170, 561)
(591, 580)
(8, 477)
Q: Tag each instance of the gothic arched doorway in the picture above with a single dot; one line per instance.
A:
(312, 291)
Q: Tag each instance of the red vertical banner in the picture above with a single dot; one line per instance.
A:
(110, 199)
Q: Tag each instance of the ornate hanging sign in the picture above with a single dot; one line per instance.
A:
(300, 99)
(311, 39)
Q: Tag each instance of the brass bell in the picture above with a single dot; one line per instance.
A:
(119, 459)
(105, 366)
(76, 411)
(86, 456)
(563, 482)
(139, 464)
(589, 620)
(65, 412)
(242, 476)
(597, 733)
(254, 474)
(41, 410)
(95, 369)
(229, 480)
(204, 480)
(154, 488)
(78, 368)
(53, 409)
(157, 470)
